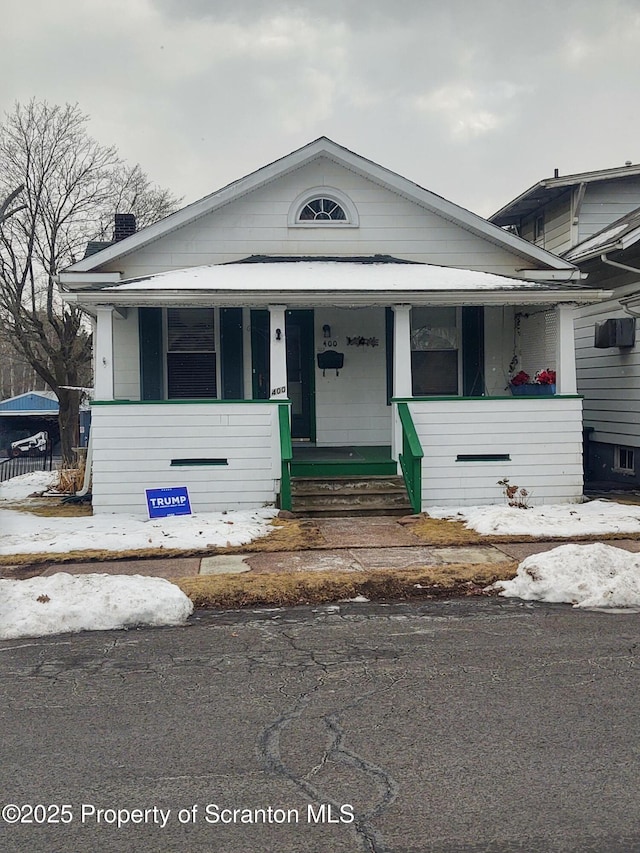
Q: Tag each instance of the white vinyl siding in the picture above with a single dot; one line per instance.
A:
(605, 202)
(258, 225)
(608, 380)
(543, 437)
(556, 220)
(133, 446)
(351, 408)
(126, 356)
(557, 225)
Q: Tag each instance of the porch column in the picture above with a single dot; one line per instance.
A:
(402, 351)
(277, 352)
(103, 353)
(566, 381)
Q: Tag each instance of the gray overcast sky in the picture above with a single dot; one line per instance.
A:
(473, 99)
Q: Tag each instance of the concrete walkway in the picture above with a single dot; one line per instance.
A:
(346, 544)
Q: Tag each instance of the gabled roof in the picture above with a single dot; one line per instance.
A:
(549, 189)
(30, 403)
(322, 147)
(618, 236)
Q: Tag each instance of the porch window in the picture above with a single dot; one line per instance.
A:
(435, 351)
(191, 353)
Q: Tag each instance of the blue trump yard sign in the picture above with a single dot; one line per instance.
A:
(173, 500)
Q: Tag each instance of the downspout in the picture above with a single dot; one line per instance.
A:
(576, 214)
(626, 268)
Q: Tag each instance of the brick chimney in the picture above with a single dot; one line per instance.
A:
(124, 226)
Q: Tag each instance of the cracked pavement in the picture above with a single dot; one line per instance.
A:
(463, 725)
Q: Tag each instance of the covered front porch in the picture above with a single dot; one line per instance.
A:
(238, 395)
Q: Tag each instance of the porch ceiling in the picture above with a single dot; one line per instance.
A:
(333, 282)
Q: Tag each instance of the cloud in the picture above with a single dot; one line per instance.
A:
(476, 101)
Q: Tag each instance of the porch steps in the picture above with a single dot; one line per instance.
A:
(349, 495)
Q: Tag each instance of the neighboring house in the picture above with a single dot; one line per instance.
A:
(25, 415)
(593, 221)
(328, 298)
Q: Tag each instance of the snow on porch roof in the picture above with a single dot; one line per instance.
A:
(337, 281)
(324, 276)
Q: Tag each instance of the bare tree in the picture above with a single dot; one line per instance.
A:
(61, 190)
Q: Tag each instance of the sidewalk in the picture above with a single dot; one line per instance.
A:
(358, 545)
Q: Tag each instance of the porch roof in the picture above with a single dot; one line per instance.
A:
(308, 282)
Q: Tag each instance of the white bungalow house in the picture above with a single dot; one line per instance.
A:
(326, 317)
(592, 219)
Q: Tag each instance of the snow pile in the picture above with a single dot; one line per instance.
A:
(19, 488)
(556, 521)
(583, 575)
(66, 603)
(23, 533)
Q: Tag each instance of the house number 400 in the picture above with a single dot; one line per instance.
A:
(276, 391)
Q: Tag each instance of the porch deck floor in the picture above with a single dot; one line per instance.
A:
(351, 460)
(306, 452)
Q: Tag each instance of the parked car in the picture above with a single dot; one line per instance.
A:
(37, 442)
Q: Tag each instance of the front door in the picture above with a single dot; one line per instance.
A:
(300, 373)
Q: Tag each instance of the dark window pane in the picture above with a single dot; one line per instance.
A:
(322, 209)
(191, 375)
(434, 372)
(190, 330)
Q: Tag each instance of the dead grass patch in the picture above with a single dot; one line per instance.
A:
(288, 535)
(296, 535)
(286, 589)
(47, 509)
(442, 531)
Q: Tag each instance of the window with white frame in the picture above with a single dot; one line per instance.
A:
(435, 351)
(323, 207)
(623, 460)
(191, 353)
(321, 210)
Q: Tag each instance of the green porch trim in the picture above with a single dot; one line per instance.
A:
(411, 457)
(181, 402)
(286, 455)
(451, 398)
(375, 460)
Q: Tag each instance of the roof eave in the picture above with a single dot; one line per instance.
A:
(341, 298)
(319, 147)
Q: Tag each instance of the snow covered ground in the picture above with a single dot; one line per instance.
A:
(594, 575)
(554, 521)
(24, 533)
(66, 603)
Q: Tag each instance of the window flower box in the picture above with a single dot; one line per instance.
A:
(533, 390)
(542, 385)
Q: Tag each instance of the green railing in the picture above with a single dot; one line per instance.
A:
(286, 455)
(411, 457)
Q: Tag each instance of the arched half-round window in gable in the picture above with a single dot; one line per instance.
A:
(323, 206)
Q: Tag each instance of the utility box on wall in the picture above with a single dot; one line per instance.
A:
(615, 332)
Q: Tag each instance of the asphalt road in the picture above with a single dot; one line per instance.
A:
(475, 725)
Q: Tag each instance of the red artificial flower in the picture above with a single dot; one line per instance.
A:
(545, 377)
(521, 378)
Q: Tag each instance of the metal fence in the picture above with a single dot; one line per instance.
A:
(26, 462)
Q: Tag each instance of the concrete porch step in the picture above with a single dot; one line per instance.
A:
(375, 484)
(336, 496)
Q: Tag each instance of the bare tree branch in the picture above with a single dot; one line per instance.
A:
(67, 187)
